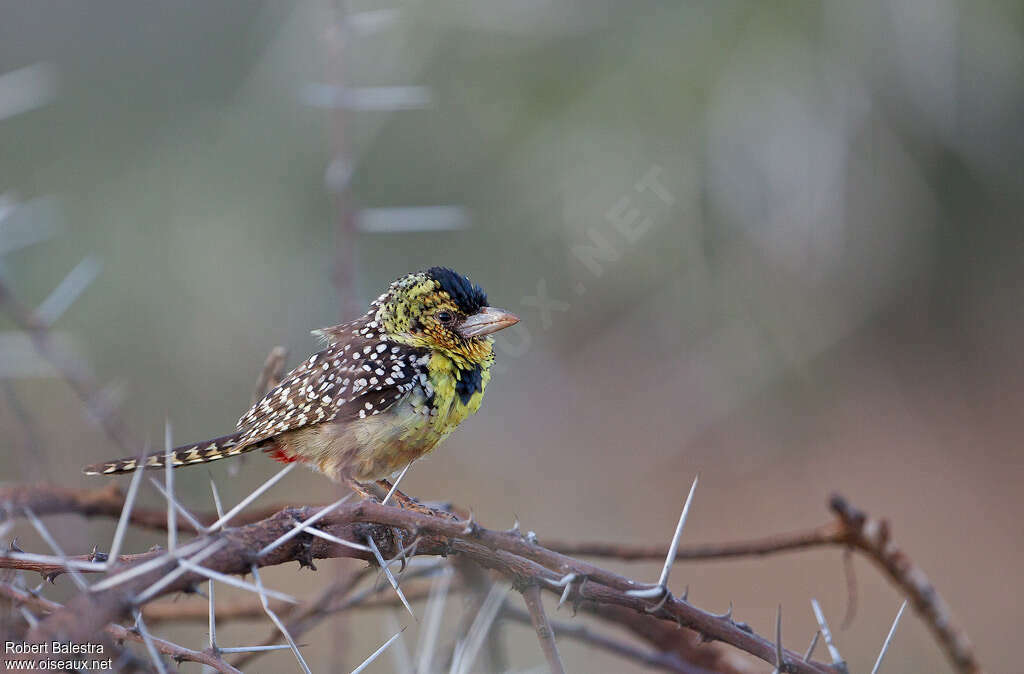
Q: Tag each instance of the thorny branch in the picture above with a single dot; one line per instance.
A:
(872, 537)
(510, 554)
(519, 559)
(51, 570)
(541, 624)
(514, 557)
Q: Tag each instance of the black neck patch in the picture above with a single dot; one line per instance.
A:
(470, 382)
(469, 297)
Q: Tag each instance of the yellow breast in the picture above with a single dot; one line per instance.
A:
(386, 443)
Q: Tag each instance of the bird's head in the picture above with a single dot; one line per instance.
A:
(441, 310)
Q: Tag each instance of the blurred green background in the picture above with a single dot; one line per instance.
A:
(774, 243)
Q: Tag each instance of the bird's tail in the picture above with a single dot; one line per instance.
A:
(204, 452)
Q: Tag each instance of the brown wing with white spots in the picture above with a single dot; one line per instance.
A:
(357, 376)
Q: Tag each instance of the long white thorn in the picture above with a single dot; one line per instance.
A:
(780, 657)
(277, 621)
(674, 547)
(394, 487)
(302, 526)
(427, 644)
(661, 588)
(651, 593)
(147, 638)
(172, 517)
(29, 618)
(251, 497)
(149, 565)
(122, 522)
(236, 582)
(390, 576)
(826, 634)
(481, 626)
(340, 541)
(52, 542)
(376, 654)
(216, 498)
(400, 657)
(68, 290)
(888, 639)
(210, 585)
(814, 643)
(254, 649)
(213, 615)
(52, 559)
(180, 571)
(192, 519)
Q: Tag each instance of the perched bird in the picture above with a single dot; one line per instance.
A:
(388, 387)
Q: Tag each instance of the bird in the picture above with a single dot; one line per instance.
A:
(387, 388)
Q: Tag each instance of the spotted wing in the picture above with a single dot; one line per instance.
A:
(352, 378)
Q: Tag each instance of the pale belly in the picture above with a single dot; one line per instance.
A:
(371, 448)
(379, 445)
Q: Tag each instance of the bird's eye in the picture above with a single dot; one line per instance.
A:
(445, 316)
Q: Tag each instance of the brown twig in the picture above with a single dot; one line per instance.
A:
(545, 635)
(51, 571)
(270, 375)
(872, 537)
(828, 534)
(121, 633)
(108, 501)
(77, 376)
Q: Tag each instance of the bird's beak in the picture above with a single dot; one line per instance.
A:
(486, 321)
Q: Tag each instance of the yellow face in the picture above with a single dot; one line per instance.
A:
(442, 311)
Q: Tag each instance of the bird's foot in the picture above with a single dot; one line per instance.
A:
(365, 492)
(409, 503)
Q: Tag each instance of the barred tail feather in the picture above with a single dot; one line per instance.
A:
(203, 452)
